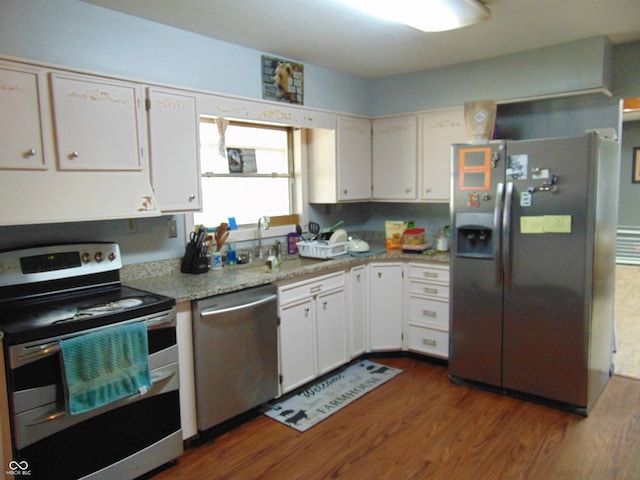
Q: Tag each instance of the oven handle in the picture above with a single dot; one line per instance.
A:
(155, 379)
(51, 348)
(161, 321)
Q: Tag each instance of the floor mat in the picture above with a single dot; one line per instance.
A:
(305, 408)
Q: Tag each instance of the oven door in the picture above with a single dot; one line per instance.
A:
(123, 439)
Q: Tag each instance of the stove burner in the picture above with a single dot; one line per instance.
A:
(112, 306)
(75, 313)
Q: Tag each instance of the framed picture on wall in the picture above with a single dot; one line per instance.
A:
(282, 80)
(635, 172)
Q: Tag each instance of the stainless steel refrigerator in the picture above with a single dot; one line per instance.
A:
(533, 227)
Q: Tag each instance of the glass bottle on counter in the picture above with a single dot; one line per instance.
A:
(442, 240)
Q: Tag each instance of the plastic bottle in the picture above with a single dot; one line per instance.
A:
(292, 243)
(231, 255)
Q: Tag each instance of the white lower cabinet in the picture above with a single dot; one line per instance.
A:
(331, 330)
(427, 301)
(357, 308)
(385, 307)
(296, 343)
(312, 335)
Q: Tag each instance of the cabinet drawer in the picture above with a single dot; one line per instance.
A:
(429, 289)
(429, 341)
(429, 312)
(429, 272)
(308, 288)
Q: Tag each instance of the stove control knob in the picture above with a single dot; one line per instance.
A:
(86, 258)
(99, 257)
(112, 256)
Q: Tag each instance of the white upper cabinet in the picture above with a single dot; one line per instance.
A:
(439, 129)
(395, 158)
(96, 127)
(354, 159)
(340, 162)
(97, 123)
(21, 131)
(173, 145)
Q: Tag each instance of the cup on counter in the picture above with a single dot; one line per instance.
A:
(273, 263)
(216, 261)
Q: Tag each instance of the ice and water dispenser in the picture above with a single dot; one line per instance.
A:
(474, 235)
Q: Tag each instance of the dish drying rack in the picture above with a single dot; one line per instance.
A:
(321, 249)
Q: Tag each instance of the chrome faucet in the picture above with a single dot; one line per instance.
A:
(263, 223)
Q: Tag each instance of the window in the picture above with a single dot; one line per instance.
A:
(254, 177)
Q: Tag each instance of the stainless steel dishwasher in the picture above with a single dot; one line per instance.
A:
(236, 353)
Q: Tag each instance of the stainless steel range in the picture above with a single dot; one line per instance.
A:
(49, 295)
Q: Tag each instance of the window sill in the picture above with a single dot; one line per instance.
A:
(249, 234)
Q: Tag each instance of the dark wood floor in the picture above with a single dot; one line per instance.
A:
(420, 426)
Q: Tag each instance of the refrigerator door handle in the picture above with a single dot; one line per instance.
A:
(506, 235)
(497, 228)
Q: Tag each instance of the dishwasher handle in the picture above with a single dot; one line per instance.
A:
(219, 311)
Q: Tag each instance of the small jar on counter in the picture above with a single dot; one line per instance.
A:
(442, 240)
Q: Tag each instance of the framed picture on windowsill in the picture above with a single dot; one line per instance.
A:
(635, 172)
(242, 160)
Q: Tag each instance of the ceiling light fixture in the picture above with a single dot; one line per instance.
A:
(426, 15)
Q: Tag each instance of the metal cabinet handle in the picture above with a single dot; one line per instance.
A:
(213, 311)
(429, 274)
(429, 313)
(192, 197)
(430, 342)
(30, 153)
(433, 291)
(73, 155)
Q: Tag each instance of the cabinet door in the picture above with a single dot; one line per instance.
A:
(358, 311)
(173, 144)
(184, 337)
(385, 318)
(439, 130)
(354, 159)
(331, 330)
(97, 123)
(21, 132)
(297, 345)
(395, 158)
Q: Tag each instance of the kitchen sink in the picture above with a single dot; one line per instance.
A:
(287, 265)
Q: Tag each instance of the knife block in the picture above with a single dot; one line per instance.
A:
(192, 262)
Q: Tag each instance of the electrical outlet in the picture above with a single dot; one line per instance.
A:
(173, 228)
(132, 226)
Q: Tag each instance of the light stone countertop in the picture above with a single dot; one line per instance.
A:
(164, 277)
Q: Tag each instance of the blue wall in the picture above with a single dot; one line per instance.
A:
(84, 36)
(568, 67)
